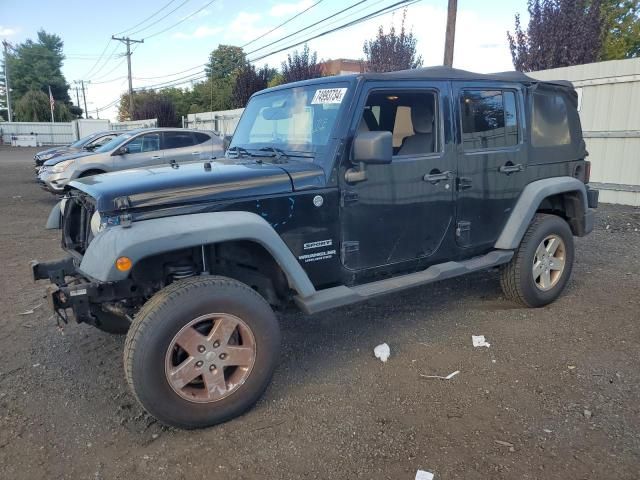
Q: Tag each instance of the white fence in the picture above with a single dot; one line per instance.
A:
(222, 122)
(63, 133)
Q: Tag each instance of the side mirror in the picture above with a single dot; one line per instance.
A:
(375, 148)
(226, 141)
(122, 151)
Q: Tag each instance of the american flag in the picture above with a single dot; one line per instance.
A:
(52, 102)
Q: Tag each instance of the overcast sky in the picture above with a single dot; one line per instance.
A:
(86, 27)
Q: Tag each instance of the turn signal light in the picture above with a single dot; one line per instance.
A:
(124, 264)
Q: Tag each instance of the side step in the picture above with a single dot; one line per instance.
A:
(339, 296)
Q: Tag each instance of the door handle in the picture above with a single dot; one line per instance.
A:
(155, 157)
(435, 176)
(509, 168)
(195, 153)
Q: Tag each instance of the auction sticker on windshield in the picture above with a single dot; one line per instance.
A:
(328, 95)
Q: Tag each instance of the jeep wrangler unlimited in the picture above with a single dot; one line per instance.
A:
(332, 191)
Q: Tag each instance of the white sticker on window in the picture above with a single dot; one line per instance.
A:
(328, 95)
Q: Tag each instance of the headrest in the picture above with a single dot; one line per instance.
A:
(422, 118)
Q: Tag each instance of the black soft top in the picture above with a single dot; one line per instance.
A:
(448, 73)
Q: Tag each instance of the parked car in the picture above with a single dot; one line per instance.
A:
(333, 191)
(87, 144)
(143, 147)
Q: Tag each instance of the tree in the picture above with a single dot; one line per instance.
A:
(33, 106)
(560, 33)
(149, 104)
(38, 65)
(301, 66)
(392, 51)
(224, 61)
(622, 29)
(248, 81)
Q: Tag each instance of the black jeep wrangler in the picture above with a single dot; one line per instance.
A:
(332, 191)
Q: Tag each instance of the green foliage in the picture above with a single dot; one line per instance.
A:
(33, 106)
(389, 52)
(225, 61)
(36, 66)
(150, 104)
(276, 79)
(622, 29)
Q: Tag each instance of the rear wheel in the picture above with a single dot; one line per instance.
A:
(541, 266)
(201, 351)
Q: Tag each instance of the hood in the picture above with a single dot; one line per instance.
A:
(164, 186)
(56, 151)
(69, 156)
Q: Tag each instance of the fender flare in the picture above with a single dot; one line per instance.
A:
(54, 221)
(152, 237)
(528, 203)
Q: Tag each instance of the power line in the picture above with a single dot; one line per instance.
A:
(99, 58)
(148, 18)
(182, 20)
(307, 27)
(281, 25)
(171, 81)
(160, 19)
(169, 74)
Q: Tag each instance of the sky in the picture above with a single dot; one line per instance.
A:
(181, 33)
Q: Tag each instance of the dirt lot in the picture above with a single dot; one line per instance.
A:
(556, 396)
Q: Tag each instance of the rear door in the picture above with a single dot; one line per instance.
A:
(179, 145)
(491, 160)
(143, 151)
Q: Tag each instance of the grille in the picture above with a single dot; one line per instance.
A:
(76, 230)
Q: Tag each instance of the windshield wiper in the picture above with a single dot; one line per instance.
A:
(240, 151)
(278, 153)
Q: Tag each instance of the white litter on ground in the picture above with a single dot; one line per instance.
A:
(382, 352)
(448, 377)
(29, 312)
(480, 341)
(423, 475)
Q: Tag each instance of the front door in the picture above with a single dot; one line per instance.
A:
(179, 146)
(402, 211)
(491, 161)
(143, 151)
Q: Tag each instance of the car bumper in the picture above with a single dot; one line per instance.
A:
(53, 182)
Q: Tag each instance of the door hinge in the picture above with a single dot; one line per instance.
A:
(463, 232)
(349, 247)
(463, 183)
(348, 197)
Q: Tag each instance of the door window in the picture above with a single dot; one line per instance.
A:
(201, 138)
(489, 119)
(102, 140)
(144, 143)
(177, 140)
(410, 116)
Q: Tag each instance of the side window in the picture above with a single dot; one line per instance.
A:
(177, 140)
(489, 119)
(410, 116)
(144, 143)
(201, 138)
(550, 123)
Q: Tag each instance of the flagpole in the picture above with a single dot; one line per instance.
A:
(51, 103)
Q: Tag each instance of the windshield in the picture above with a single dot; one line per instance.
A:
(296, 120)
(114, 143)
(83, 141)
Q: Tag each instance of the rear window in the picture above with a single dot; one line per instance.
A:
(550, 122)
(201, 137)
(489, 119)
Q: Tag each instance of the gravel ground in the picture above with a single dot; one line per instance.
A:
(554, 397)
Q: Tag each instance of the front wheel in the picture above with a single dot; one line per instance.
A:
(201, 351)
(541, 266)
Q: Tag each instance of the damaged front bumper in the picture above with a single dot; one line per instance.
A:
(70, 290)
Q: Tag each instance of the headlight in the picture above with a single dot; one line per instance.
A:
(61, 166)
(95, 224)
(46, 156)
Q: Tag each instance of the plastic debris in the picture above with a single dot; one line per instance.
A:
(480, 341)
(424, 475)
(382, 352)
(448, 377)
(503, 443)
(29, 312)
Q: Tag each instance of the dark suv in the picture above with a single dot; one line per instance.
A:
(332, 191)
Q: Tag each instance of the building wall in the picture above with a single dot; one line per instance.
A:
(609, 95)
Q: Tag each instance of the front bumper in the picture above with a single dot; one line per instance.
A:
(53, 182)
(78, 293)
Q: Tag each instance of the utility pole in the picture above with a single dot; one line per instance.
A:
(127, 41)
(7, 87)
(84, 96)
(451, 33)
(78, 99)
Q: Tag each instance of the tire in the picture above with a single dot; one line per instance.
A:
(183, 315)
(111, 323)
(519, 279)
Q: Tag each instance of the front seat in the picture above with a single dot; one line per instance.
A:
(422, 140)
